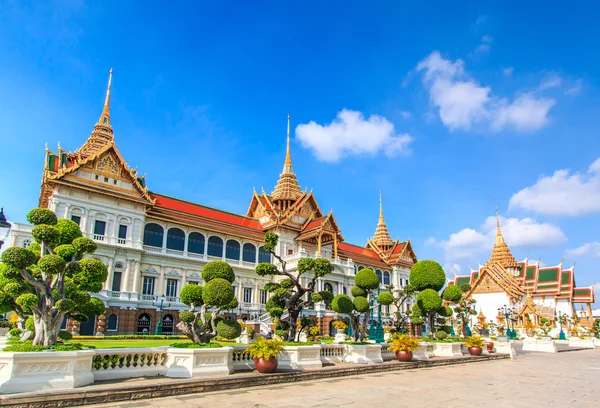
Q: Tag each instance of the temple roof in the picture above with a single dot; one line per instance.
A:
(360, 255)
(102, 135)
(382, 236)
(501, 253)
(287, 187)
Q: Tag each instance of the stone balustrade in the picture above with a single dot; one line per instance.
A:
(332, 353)
(129, 363)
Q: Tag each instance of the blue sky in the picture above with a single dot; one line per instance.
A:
(441, 106)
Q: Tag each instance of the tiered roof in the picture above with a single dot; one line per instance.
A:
(501, 253)
(287, 187)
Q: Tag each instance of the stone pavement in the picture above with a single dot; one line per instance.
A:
(531, 380)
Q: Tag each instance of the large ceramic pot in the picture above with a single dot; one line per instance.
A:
(404, 355)
(490, 346)
(475, 351)
(265, 366)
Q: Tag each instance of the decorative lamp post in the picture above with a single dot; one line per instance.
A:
(4, 227)
(159, 325)
(376, 329)
(510, 318)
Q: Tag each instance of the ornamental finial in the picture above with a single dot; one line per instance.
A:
(105, 116)
(287, 166)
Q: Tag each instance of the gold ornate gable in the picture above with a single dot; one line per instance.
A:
(495, 279)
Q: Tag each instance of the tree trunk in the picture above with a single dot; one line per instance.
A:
(38, 339)
(430, 318)
(292, 319)
(464, 328)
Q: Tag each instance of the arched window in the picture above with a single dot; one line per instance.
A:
(327, 286)
(119, 265)
(215, 246)
(196, 243)
(249, 253)
(168, 324)
(378, 272)
(112, 323)
(232, 249)
(144, 324)
(26, 243)
(386, 278)
(263, 256)
(153, 235)
(355, 269)
(345, 290)
(175, 239)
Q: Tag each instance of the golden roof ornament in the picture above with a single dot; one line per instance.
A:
(382, 236)
(501, 253)
(287, 187)
(102, 134)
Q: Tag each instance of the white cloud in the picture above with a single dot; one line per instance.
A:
(591, 248)
(551, 81)
(482, 49)
(575, 89)
(526, 113)
(350, 134)
(469, 244)
(405, 114)
(508, 71)
(463, 102)
(562, 193)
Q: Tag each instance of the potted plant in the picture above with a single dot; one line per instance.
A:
(250, 332)
(501, 333)
(474, 345)
(545, 327)
(264, 353)
(340, 325)
(314, 332)
(490, 346)
(404, 345)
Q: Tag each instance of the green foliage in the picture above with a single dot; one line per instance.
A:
(417, 320)
(94, 307)
(452, 293)
(403, 342)
(416, 311)
(271, 286)
(30, 324)
(66, 252)
(361, 304)
(14, 332)
(26, 300)
(465, 287)
(68, 231)
(356, 291)
(218, 292)
(79, 317)
(232, 305)
(230, 329)
(84, 245)
(366, 279)
(265, 349)
(92, 275)
(326, 296)
(286, 283)
(445, 311)
(35, 248)
(306, 322)
(318, 266)
(218, 270)
(18, 258)
(429, 301)
(191, 294)
(427, 275)
(65, 305)
(447, 329)
(65, 335)
(316, 297)
(51, 264)
(187, 317)
(196, 345)
(80, 297)
(28, 347)
(342, 304)
(39, 216)
(385, 298)
(441, 334)
(271, 240)
(266, 269)
(474, 341)
(46, 233)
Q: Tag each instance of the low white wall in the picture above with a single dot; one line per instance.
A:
(447, 349)
(201, 362)
(363, 354)
(332, 353)
(585, 343)
(110, 364)
(543, 346)
(300, 358)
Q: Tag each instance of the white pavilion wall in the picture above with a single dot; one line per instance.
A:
(489, 303)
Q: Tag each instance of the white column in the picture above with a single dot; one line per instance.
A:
(164, 244)
(137, 276)
(185, 241)
(160, 290)
(126, 286)
(108, 282)
(205, 246)
(340, 289)
(67, 208)
(256, 294)
(84, 221)
(183, 279)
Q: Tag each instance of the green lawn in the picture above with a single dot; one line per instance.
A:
(128, 343)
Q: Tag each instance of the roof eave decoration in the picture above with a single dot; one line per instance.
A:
(501, 277)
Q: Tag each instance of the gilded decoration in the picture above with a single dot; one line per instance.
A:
(108, 164)
(487, 285)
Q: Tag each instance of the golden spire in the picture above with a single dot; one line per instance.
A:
(287, 187)
(501, 253)
(102, 134)
(382, 236)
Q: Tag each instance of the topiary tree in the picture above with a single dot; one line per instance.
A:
(463, 307)
(289, 295)
(365, 281)
(50, 278)
(198, 323)
(400, 296)
(9, 292)
(428, 278)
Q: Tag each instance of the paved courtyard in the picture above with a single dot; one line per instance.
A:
(532, 380)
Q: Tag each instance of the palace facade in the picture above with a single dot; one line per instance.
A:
(535, 292)
(154, 244)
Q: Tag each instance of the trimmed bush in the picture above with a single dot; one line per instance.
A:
(39, 216)
(445, 311)
(385, 298)
(429, 300)
(65, 335)
(218, 270)
(67, 231)
(356, 291)
(427, 275)
(14, 332)
(366, 279)
(52, 264)
(29, 324)
(361, 304)
(230, 329)
(66, 252)
(48, 233)
(441, 334)
(452, 293)
(191, 294)
(342, 304)
(18, 258)
(465, 287)
(218, 292)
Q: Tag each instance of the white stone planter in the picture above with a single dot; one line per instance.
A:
(543, 346)
(506, 348)
(424, 352)
(37, 371)
(111, 364)
(332, 353)
(202, 362)
(299, 358)
(578, 342)
(363, 354)
(447, 349)
(339, 338)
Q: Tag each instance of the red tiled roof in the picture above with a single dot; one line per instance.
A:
(314, 223)
(399, 248)
(206, 212)
(357, 250)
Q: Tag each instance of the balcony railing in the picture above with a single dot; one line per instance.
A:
(148, 297)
